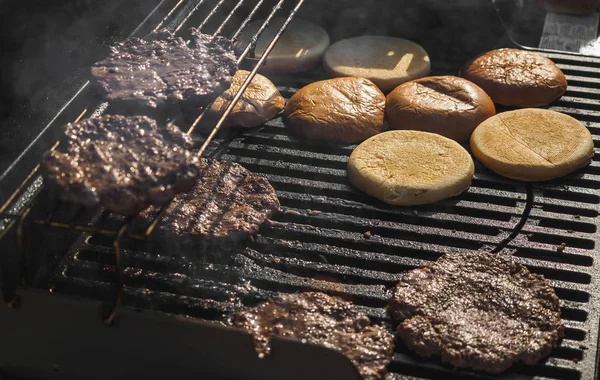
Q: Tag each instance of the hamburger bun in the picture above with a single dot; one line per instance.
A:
(520, 78)
(406, 168)
(346, 110)
(299, 48)
(446, 105)
(386, 61)
(259, 103)
(532, 144)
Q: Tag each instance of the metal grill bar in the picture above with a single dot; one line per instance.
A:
(318, 243)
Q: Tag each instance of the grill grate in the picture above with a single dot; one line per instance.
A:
(319, 240)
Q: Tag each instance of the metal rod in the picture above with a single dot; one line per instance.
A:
(212, 13)
(120, 276)
(247, 20)
(254, 40)
(21, 247)
(237, 6)
(75, 227)
(161, 23)
(249, 78)
(157, 218)
(146, 19)
(188, 16)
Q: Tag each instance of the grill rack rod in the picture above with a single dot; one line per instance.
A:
(122, 231)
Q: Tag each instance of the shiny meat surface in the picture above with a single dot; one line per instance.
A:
(226, 203)
(321, 319)
(162, 71)
(477, 310)
(122, 163)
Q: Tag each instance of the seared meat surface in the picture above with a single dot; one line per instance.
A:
(321, 319)
(477, 310)
(226, 205)
(122, 163)
(162, 72)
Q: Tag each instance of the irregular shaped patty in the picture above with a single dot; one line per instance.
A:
(321, 319)
(122, 163)
(162, 71)
(477, 310)
(227, 204)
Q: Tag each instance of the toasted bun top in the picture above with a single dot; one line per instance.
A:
(387, 61)
(532, 144)
(447, 105)
(259, 103)
(410, 167)
(514, 77)
(348, 109)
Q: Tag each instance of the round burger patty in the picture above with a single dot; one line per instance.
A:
(122, 163)
(226, 204)
(477, 310)
(321, 319)
(162, 71)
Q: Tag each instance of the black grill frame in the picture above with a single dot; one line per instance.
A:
(318, 241)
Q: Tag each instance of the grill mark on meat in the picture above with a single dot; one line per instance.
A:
(162, 72)
(122, 163)
(225, 206)
(477, 310)
(320, 319)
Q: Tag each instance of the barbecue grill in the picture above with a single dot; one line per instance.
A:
(86, 293)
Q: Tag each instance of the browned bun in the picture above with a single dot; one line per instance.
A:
(299, 48)
(449, 106)
(387, 61)
(405, 168)
(572, 6)
(520, 78)
(258, 104)
(532, 144)
(348, 109)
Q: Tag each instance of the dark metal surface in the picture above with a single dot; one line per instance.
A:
(318, 241)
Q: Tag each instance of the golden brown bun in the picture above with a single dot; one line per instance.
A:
(347, 110)
(299, 48)
(446, 105)
(572, 6)
(520, 78)
(532, 144)
(406, 168)
(386, 61)
(259, 103)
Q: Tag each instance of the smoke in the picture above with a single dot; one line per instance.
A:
(48, 48)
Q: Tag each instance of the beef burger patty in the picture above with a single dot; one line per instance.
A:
(321, 319)
(122, 163)
(163, 72)
(226, 205)
(477, 310)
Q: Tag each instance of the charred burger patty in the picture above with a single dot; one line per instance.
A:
(477, 310)
(227, 204)
(122, 163)
(163, 71)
